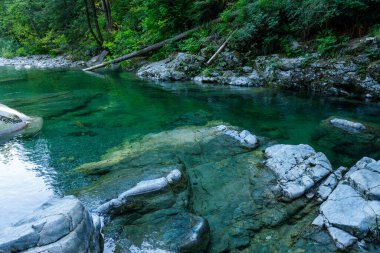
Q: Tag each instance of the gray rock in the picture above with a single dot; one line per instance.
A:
(12, 122)
(98, 58)
(125, 202)
(347, 125)
(181, 66)
(297, 167)
(329, 184)
(351, 211)
(227, 60)
(247, 69)
(244, 137)
(341, 238)
(367, 181)
(60, 225)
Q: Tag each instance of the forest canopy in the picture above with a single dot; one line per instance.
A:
(84, 27)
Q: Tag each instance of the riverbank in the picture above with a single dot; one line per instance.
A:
(41, 62)
(353, 72)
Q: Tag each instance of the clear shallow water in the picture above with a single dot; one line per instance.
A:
(85, 115)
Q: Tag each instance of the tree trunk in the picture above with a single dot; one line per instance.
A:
(90, 26)
(150, 48)
(98, 31)
(107, 13)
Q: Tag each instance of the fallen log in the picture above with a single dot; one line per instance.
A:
(151, 47)
(218, 51)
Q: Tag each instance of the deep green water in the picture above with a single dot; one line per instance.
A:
(85, 115)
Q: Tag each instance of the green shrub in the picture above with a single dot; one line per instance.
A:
(326, 42)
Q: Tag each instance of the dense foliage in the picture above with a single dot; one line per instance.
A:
(84, 27)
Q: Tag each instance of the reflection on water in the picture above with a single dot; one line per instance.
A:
(22, 187)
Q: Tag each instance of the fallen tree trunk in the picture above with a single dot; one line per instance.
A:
(150, 48)
(218, 51)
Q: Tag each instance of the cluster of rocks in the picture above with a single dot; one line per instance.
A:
(351, 206)
(353, 74)
(351, 211)
(59, 225)
(41, 62)
(297, 167)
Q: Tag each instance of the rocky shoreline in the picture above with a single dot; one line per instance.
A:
(352, 73)
(41, 62)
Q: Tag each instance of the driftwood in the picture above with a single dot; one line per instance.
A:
(150, 48)
(218, 51)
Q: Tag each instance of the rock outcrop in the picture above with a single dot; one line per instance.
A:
(351, 211)
(178, 67)
(297, 167)
(13, 122)
(60, 225)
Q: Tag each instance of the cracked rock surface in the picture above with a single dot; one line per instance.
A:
(352, 210)
(60, 225)
(297, 167)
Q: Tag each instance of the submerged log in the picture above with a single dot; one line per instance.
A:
(151, 47)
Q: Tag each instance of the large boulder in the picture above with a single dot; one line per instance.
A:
(13, 122)
(297, 167)
(181, 66)
(352, 210)
(59, 225)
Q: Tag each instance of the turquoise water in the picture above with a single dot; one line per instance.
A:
(85, 115)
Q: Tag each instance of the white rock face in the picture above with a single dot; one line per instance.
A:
(352, 210)
(144, 187)
(60, 225)
(297, 167)
(244, 137)
(347, 125)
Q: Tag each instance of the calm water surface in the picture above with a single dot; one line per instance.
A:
(86, 114)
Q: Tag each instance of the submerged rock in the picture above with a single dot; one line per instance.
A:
(347, 125)
(351, 211)
(125, 201)
(244, 137)
(60, 225)
(181, 66)
(349, 138)
(12, 122)
(297, 167)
